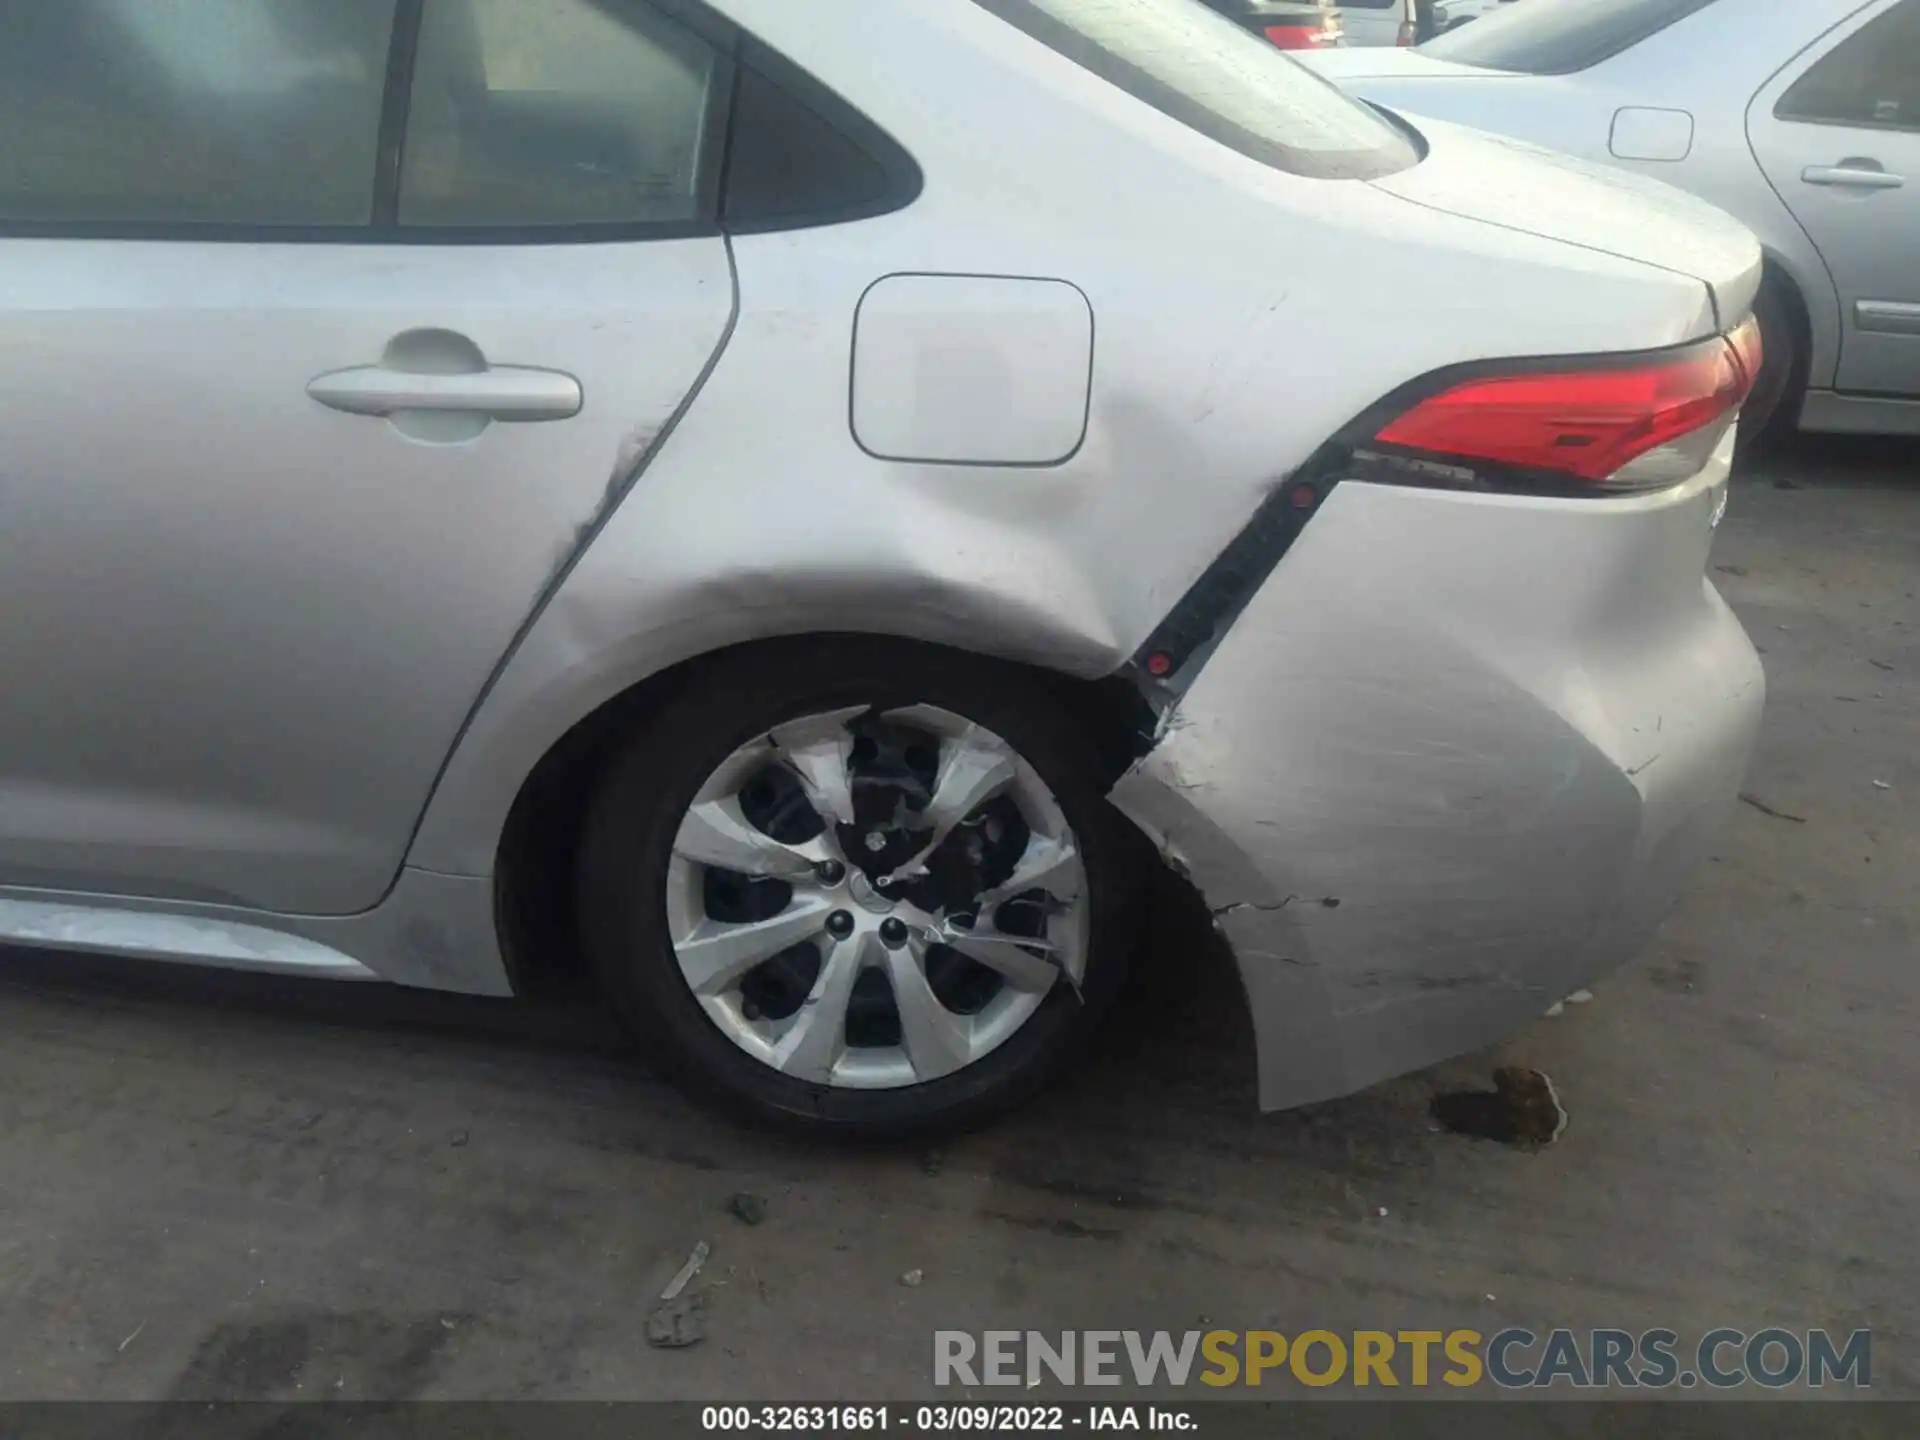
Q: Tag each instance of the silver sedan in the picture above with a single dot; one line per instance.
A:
(634, 485)
(1801, 119)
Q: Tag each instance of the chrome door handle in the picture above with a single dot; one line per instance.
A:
(502, 392)
(1859, 177)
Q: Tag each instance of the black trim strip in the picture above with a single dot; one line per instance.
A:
(716, 140)
(1165, 664)
(735, 80)
(395, 106)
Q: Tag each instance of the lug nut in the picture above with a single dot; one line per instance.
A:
(893, 932)
(840, 924)
(830, 872)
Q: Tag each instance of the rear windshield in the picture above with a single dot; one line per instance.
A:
(1559, 37)
(1227, 83)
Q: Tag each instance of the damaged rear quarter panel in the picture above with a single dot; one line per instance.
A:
(1399, 848)
(1456, 757)
(762, 517)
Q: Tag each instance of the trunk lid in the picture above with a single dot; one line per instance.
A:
(1523, 187)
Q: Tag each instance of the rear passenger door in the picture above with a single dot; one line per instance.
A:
(327, 330)
(1838, 133)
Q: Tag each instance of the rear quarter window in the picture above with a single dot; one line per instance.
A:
(1559, 37)
(1870, 81)
(1214, 77)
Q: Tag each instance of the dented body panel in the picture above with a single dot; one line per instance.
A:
(1455, 757)
(764, 516)
(1456, 760)
(250, 625)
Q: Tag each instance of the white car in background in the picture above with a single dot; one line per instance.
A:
(1451, 14)
(1800, 119)
(1372, 23)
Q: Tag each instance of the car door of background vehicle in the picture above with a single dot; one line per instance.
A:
(287, 457)
(1377, 22)
(1838, 134)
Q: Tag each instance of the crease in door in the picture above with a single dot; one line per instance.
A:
(635, 455)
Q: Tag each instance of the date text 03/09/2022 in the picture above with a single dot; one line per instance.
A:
(943, 1418)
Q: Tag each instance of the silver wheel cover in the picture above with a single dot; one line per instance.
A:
(857, 921)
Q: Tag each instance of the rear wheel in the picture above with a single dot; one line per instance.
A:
(1772, 408)
(859, 885)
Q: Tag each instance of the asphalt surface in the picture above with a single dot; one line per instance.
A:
(220, 1187)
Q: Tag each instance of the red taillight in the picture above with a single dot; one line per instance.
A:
(1749, 350)
(1299, 37)
(1591, 425)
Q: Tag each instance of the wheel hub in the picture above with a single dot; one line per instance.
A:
(867, 896)
(872, 900)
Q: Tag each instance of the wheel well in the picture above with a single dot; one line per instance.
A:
(1780, 279)
(533, 873)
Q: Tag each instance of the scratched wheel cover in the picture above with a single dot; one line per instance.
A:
(874, 899)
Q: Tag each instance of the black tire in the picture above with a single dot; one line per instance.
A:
(636, 812)
(1773, 409)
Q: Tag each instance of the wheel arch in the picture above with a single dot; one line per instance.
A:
(536, 854)
(1800, 274)
(1778, 274)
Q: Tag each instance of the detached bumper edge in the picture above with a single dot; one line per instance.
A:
(1456, 760)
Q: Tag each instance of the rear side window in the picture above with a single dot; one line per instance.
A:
(1871, 79)
(1559, 37)
(191, 112)
(1208, 73)
(423, 121)
(544, 113)
(799, 155)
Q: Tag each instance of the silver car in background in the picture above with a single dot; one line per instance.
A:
(1801, 119)
(1451, 14)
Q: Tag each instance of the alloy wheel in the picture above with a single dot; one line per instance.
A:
(872, 900)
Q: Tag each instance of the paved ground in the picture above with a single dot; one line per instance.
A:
(224, 1188)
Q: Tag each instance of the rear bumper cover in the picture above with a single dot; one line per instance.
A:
(1458, 757)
